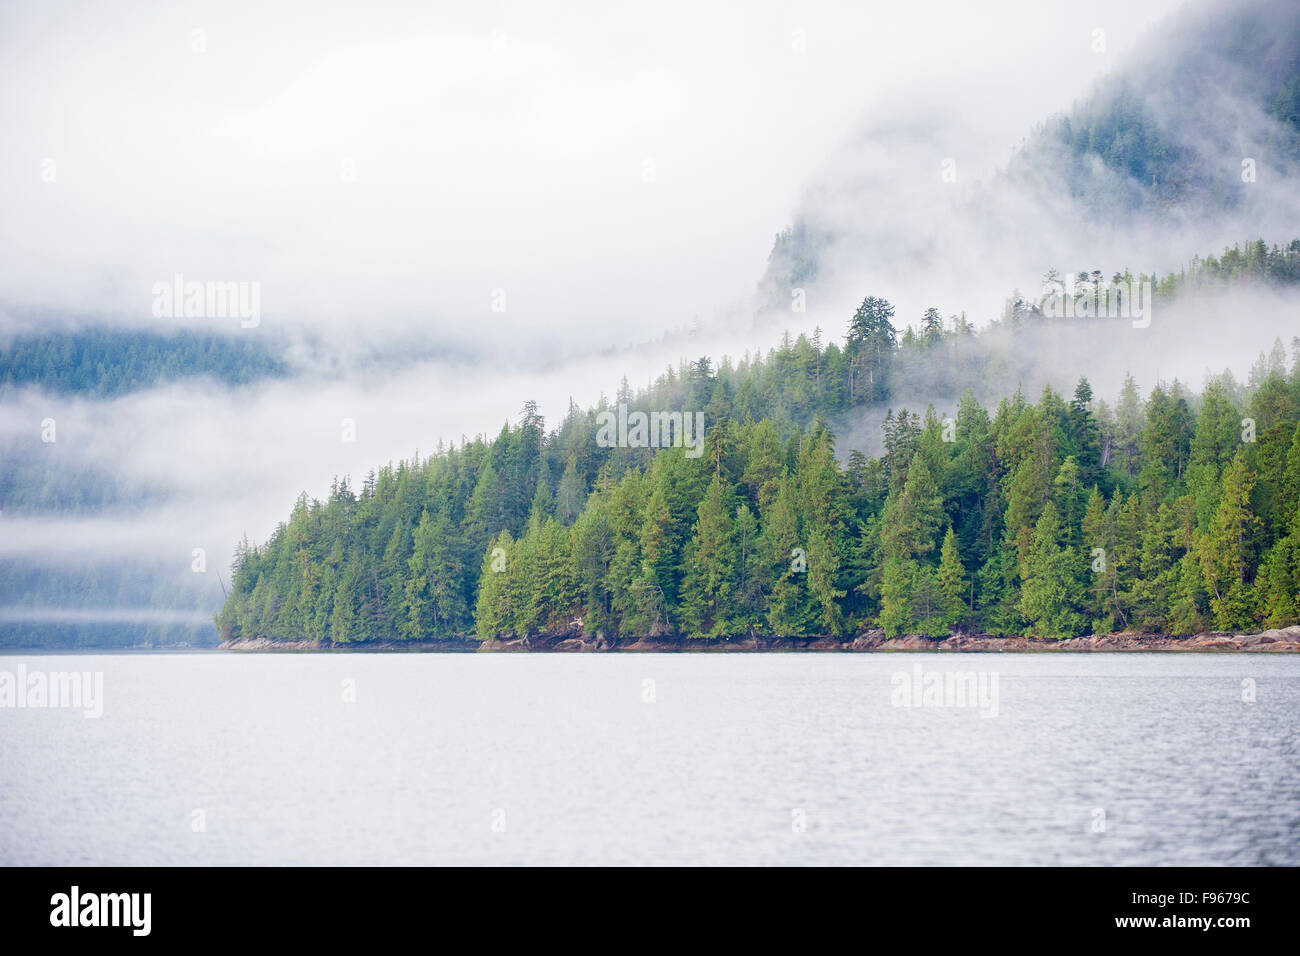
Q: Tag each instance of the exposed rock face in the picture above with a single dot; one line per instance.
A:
(262, 644)
(1278, 640)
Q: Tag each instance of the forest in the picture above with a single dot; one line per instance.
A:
(103, 362)
(1253, 67)
(1041, 514)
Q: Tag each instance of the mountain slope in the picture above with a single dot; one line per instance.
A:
(1193, 140)
(967, 518)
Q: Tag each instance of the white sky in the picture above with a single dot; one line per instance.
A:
(496, 145)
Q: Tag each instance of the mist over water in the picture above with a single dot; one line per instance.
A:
(201, 465)
(389, 180)
(307, 315)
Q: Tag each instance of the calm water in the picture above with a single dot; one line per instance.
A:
(746, 759)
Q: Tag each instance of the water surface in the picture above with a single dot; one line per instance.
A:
(654, 759)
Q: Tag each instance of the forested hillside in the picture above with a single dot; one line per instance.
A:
(1042, 514)
(1200, 121)
(1166, 123)
(103, 362)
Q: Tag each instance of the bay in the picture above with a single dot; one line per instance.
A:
(208, 758)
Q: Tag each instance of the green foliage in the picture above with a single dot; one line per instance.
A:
(951, 580)
(1052, 589)
(1051, 517)
(1223, 548)
(107, 362)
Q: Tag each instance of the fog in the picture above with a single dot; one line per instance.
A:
(927, 205)
(611, 180)
(220, 463)
(387, 166)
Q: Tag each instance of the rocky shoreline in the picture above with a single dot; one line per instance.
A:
(1279, 640)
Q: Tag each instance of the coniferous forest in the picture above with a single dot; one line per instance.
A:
(1053, 514)
(105, 363)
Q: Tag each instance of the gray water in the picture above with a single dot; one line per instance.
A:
(223, 758)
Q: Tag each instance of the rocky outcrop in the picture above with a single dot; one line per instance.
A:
(1271, 641)
(263, 644)
(1279, 640)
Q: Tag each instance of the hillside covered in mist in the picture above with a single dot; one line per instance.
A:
(990, 519)
(178, 436)
(1192, 140)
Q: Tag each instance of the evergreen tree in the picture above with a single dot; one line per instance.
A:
(1223, 551)
(1052, 592)
(712, 563)
(1044, 517)
(789, 607)
(952, 582)
(493, 616)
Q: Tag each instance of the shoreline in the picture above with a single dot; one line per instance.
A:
(1275, 641)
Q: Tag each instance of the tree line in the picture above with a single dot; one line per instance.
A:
(1053, 517)
(105, 362)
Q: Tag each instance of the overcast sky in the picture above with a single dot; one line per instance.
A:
(617, 172)
(616, 169)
